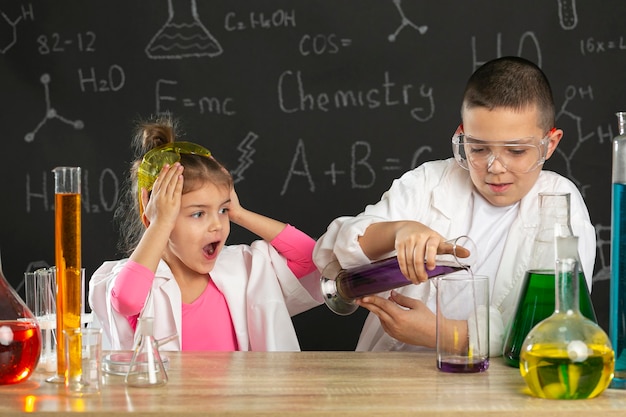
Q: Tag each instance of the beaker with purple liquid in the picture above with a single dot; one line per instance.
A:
(380, 276)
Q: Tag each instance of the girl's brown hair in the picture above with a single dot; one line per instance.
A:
(198, 171)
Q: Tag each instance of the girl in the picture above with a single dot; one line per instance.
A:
(181, 272)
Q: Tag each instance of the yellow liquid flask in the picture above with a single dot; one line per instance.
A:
(567, 356)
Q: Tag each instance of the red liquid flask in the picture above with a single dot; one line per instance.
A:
(20, 336)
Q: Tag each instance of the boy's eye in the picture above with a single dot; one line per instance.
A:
(223, 210)
(197, 214)
(517, 151)
(477, 150)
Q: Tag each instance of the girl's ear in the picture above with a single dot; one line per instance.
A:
(144, 202)
(554, 137)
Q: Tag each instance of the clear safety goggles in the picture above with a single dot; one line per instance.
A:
(517, 155)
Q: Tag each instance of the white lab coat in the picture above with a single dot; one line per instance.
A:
(261, 291)
(438, 195)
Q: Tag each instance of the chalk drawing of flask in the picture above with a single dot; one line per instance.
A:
(183, 36)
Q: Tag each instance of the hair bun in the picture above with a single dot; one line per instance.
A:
(153, 133)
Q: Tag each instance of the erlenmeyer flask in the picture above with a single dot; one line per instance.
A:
(536, 297)
(146, 367)
(20, 336)
(617, 317)
(340, 287)
(567, 356)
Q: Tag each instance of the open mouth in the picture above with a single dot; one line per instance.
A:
(211, 248)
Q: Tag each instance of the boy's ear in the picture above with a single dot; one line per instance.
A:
(554, 137)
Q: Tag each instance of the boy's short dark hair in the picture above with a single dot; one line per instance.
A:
(514, 83)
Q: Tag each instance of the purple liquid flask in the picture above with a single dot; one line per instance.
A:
(341, 287)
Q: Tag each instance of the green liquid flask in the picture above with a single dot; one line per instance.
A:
(567, 356)
(617, 316)
(536, 298)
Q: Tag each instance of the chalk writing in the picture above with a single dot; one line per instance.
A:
(571, 92)
(245, 159)
(213, 105)
(113, 82)
(404, 22)
(568, 16)
(50, 112)
(299, 156)
(322, 44)
(293, 96)
(527, 37)
(27, 13)
(259, 20)
(595, 46)
(362, 172)
(84, 42)
(182, 36)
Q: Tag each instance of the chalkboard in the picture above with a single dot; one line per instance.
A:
(314, 105)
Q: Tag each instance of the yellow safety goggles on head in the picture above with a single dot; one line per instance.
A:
(153, 162)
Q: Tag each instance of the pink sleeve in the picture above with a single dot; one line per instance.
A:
(131, 289)
(297, 247)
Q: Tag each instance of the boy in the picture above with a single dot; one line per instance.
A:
(489, 192)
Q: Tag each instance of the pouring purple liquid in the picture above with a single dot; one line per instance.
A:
(380, 276)
(384, 275)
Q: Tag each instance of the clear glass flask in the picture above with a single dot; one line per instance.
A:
(146, 368)
(617, 310)
(567, 356)
(41, 295)
(340, 287)
(536, 297)
(20, 336)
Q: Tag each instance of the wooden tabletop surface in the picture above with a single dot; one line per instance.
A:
(310, 384)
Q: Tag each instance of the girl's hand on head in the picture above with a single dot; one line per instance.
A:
(234, 209)
(163, 205)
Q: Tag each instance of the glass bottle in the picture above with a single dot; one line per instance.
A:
(146, 367)
(340, 287)
(536, 297)
(20, 336)
(617, 316)
(567, 356)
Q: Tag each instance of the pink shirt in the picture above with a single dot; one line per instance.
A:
(206, 322)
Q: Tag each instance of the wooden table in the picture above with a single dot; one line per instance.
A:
(311, 384)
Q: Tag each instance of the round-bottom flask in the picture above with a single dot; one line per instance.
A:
(567, 356)
(20, 336)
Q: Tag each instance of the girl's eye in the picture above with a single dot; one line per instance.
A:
(197, 214)
(223, 210)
